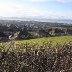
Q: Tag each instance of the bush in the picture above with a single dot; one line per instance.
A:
(32, 59)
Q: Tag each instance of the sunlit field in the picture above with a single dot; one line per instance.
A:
(21, 45)
(51, 54)
(54, 40)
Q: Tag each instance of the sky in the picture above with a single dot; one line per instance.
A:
(36, 8)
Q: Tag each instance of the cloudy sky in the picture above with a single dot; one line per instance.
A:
(40, 8)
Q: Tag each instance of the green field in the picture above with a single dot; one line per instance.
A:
(35, 43)
(54, 40)
(37, 55)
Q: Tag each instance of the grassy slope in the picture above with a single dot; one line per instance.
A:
(24, 59)
(61, 40)
(37, 42)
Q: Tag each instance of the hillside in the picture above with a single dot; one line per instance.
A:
(51, 54)
(58, 39)
(32, 29)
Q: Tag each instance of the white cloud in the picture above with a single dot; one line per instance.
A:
(18, 10)
(9, 10)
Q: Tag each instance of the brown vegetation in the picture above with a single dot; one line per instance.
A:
(42, 59)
